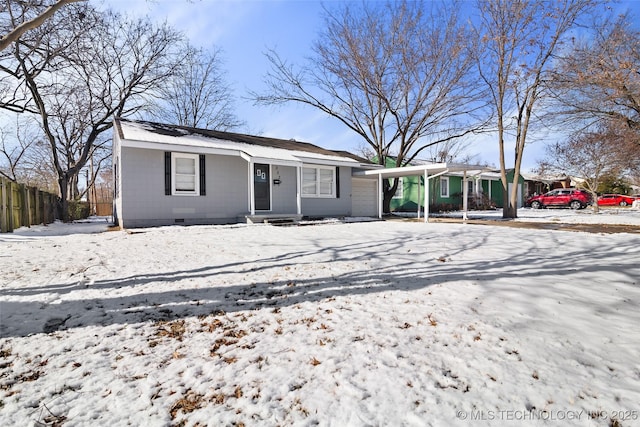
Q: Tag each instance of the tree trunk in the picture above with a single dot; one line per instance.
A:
(387, 195)
(386, 202)
(509, 212)
(388, 191)
(63, 184)
(594, 197)
(509, 209)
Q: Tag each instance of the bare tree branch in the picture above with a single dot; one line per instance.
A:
(78, 76)
(599, 77)
(25, 26)
(603, 151)
(397, 74)
(197, 95)
(520, 39)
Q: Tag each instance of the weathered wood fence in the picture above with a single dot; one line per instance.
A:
(23, 206)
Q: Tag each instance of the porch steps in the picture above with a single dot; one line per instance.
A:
(273, 219)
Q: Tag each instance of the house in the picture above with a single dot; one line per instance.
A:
(167, 174)
(484, 189)
(539, 184)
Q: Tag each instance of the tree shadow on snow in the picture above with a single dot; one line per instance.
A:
(418, 262)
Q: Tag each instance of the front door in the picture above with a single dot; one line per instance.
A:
(261, 187)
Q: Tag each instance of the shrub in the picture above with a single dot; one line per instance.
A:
(78, 210)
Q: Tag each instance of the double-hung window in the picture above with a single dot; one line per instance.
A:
(318, 181)
(444, 186)
(185, 179)
(399, 194)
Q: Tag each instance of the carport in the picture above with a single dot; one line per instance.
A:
(428, 171)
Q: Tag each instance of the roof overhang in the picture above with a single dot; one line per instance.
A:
(271, 156)
(136, 136)
(330, 162)
(429, 169)
(147, 145)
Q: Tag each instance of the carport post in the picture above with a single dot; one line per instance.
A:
(426, 196)
(465, 195)
(419, 194)
(380, 195)
(298, 191)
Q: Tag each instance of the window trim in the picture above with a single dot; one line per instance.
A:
(196, 164)
(444, 194)
(316, 194)
(471, 188)
(399, 194)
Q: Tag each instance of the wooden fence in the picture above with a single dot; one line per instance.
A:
(103, 208)
(23, 206)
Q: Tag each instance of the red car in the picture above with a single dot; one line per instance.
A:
(615, 200)
(569, 197)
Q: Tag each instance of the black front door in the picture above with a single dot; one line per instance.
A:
(261, 187)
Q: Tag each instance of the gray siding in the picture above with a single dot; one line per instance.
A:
(144, 202)
(331, 207)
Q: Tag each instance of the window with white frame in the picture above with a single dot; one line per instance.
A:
(185, 179)
(399, 194)
(444, 186)
(318, 181)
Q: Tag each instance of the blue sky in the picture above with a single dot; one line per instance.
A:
(245, 29)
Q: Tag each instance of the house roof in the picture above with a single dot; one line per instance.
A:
(417, 170)
(545, 178)
(488, 174)
(144, 134)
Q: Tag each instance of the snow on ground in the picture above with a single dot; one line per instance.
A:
(606, 215)
(337, 324)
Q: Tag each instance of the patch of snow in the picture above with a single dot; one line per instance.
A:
(367, 323)
(625, 216)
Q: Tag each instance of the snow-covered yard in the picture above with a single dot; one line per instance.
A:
(379, 323)
(606, 215)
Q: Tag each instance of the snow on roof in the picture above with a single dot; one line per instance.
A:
(160, 136)
(481, 173)
(416, 170)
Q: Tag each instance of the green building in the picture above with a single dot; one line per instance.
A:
(484, 191)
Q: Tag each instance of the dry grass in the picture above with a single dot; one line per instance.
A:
(174, 329)
(432, 320)
(220, 342)
(189, 403)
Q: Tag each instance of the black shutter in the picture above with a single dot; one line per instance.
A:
(337, 182)
(167, 173)
(203, 181)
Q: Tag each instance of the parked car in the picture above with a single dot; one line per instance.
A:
(615, 200)
(561, 197)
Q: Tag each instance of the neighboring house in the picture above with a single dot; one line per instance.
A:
(168, 174)
(538, 184)
(484, 189)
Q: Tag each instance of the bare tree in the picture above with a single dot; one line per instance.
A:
(397, 74)
(599, 77)
(79, 70)
(593, 155)
(520, 38)
(12, 153)
(24, 156)
(21, 22)
(197, 95)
